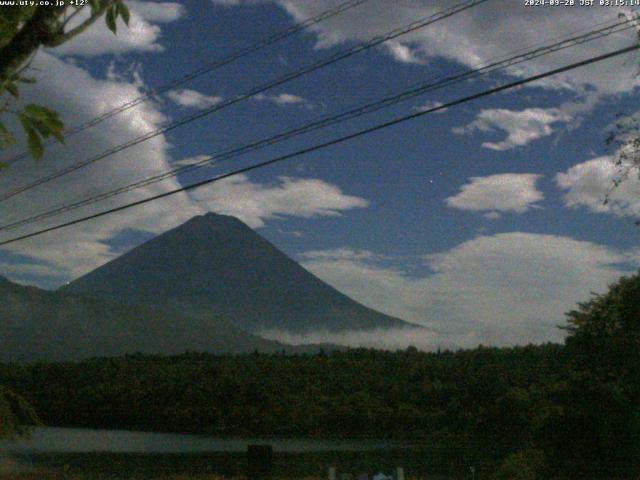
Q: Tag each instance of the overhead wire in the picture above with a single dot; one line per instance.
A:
(329, 143)
(338, 118)
(411, 27)
(208, 68)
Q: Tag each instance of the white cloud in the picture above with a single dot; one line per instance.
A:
(76, 250)
(506, 192)
(393, 339)
(183, 162)
(492, 215)
(480, 35)
(428, 105)
(501, 289)
(402, 53)
(281, 99)
(160, 12)
(522, 127)
(142, 34)
(590, 183)
(340, 254)
(254, 203)
(191, 98)
(228, 3)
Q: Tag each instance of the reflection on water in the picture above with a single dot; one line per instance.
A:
(73, 440)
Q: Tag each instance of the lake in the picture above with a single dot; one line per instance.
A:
(76, 440)
(124, 455)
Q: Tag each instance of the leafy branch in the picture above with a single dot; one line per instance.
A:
(23, 30)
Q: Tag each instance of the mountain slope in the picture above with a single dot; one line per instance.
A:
(216, 265)
(37, 324)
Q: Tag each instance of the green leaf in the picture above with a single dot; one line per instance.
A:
(111, 19)
(34, 141)
(124, 12)
(6, 137)
(57, 134)
(12, 88)
(43, 120)
(39, 112)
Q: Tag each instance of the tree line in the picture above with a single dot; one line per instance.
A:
(547, 411)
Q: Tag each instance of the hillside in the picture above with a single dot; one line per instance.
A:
(215, 265)
(37, 324)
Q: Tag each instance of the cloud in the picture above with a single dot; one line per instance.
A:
(79, 249)
(160, 12)
(281, 99)
(183, 162)
(254, 203)
(492, 215)
(482, 34)
(588, 185)
(74, 251)
(340, 254)
(428, 105)
(387, 339)
(498, 290)
(402, 53)
(522, 127)
(229, 3)
(142, 35)
(506, 192)
(191, 98)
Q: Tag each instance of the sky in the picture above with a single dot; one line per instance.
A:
(485, 222)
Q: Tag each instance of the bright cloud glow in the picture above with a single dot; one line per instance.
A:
(72, 252)
(254, 203)
(498, 290)
(591, 185)
(522, 127)
(142, 35)
(480, 35)
(192, 98)
(281, 99)
(507, 192)
(388, 339)
(402, 53)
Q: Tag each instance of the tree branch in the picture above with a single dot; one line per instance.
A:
(70, 17)
(66, 36)
(38, 30)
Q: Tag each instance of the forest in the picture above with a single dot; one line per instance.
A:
(563, 409)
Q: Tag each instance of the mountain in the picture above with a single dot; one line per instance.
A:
(215, 265)
(37, 324)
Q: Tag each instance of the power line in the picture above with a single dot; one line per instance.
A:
(336, 141)
(334, 119)
(232, 57)
(413, 26)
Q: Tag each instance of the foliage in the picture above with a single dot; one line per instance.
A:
(495, 404)
(548, 411)
(603, 347)
(16, 415)
(604, 332)
(23, 30)
(523, 465)
(482, 401)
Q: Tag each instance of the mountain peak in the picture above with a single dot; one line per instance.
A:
(214, 219)
(216, 265)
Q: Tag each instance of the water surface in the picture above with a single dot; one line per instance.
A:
(76, 440)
